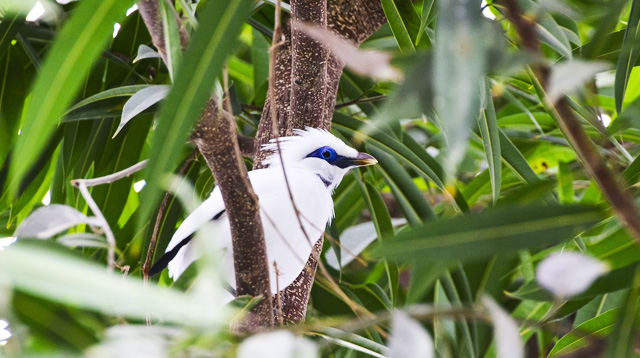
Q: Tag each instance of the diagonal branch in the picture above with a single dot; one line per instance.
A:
(217, 140)
(621, 202)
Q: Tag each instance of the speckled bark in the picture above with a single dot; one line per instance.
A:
(150, 13)
(308, 66)
(282, 77)
(354, 20)
(216, 139)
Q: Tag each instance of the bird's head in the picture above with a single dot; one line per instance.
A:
(320, 152)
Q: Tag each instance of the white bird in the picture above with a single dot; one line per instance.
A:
(315, 162)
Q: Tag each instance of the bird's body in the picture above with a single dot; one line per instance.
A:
(315, 162)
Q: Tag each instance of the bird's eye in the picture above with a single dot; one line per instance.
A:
(326, 154)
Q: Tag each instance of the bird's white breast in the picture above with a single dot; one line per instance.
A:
(288, 245)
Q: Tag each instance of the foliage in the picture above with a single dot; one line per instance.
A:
(471, 155)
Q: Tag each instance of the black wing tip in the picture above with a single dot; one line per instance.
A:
(167, 257)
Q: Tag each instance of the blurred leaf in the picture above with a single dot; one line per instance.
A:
(375, 64)
(566, 274)
(495, 230)
(408, 338)
(141, 100)
(565, 183)
(66, 279)
(202, 62)
(49, 220)
(9, 27)
(507, 333)
(279, 343)
(83, 240)
(550, 33)
(460, 58)
(621, 343)
(78, 44)
(606, 23)
(567, 77)
(614, 280)
(628, 55)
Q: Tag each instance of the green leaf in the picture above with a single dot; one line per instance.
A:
(491, 141)
(171, 36)
(499, 229)
(516, 161)
(628, 55)
(428, 14)
(460, 58)
(124, 91)
(209, 48)
(565, 183)
(78, 45)
(140, 101)
(404, 23)
(43, 272)
(411, 200)
(145, 51)
(584, 333)
(621, 342)
(9, 27)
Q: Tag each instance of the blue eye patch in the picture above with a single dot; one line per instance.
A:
(329, 154)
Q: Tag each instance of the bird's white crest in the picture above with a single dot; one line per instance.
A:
(296, 147)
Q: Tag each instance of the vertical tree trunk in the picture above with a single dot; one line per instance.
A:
(307, 97)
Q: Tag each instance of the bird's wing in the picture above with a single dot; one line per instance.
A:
(180, 252)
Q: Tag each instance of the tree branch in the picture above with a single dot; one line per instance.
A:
(217, 141)
(621, 202)
(352, 20)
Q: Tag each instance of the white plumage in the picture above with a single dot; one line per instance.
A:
(315, 162)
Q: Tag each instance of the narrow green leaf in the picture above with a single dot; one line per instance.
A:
(491, 141)
(628, 55)
(140, 101)
(350, 125)
(211, 44)
(144, 52)
(411, 200)
(606, 24)
(46, 273)
(9, 27)
(582, 335)
(260, 59)
(565, 183)
(428, 13)
(495, 230)
(516, 161)
(172, 43)
(78, 45)
(124, 91)
(622, 341)
(404, 23)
